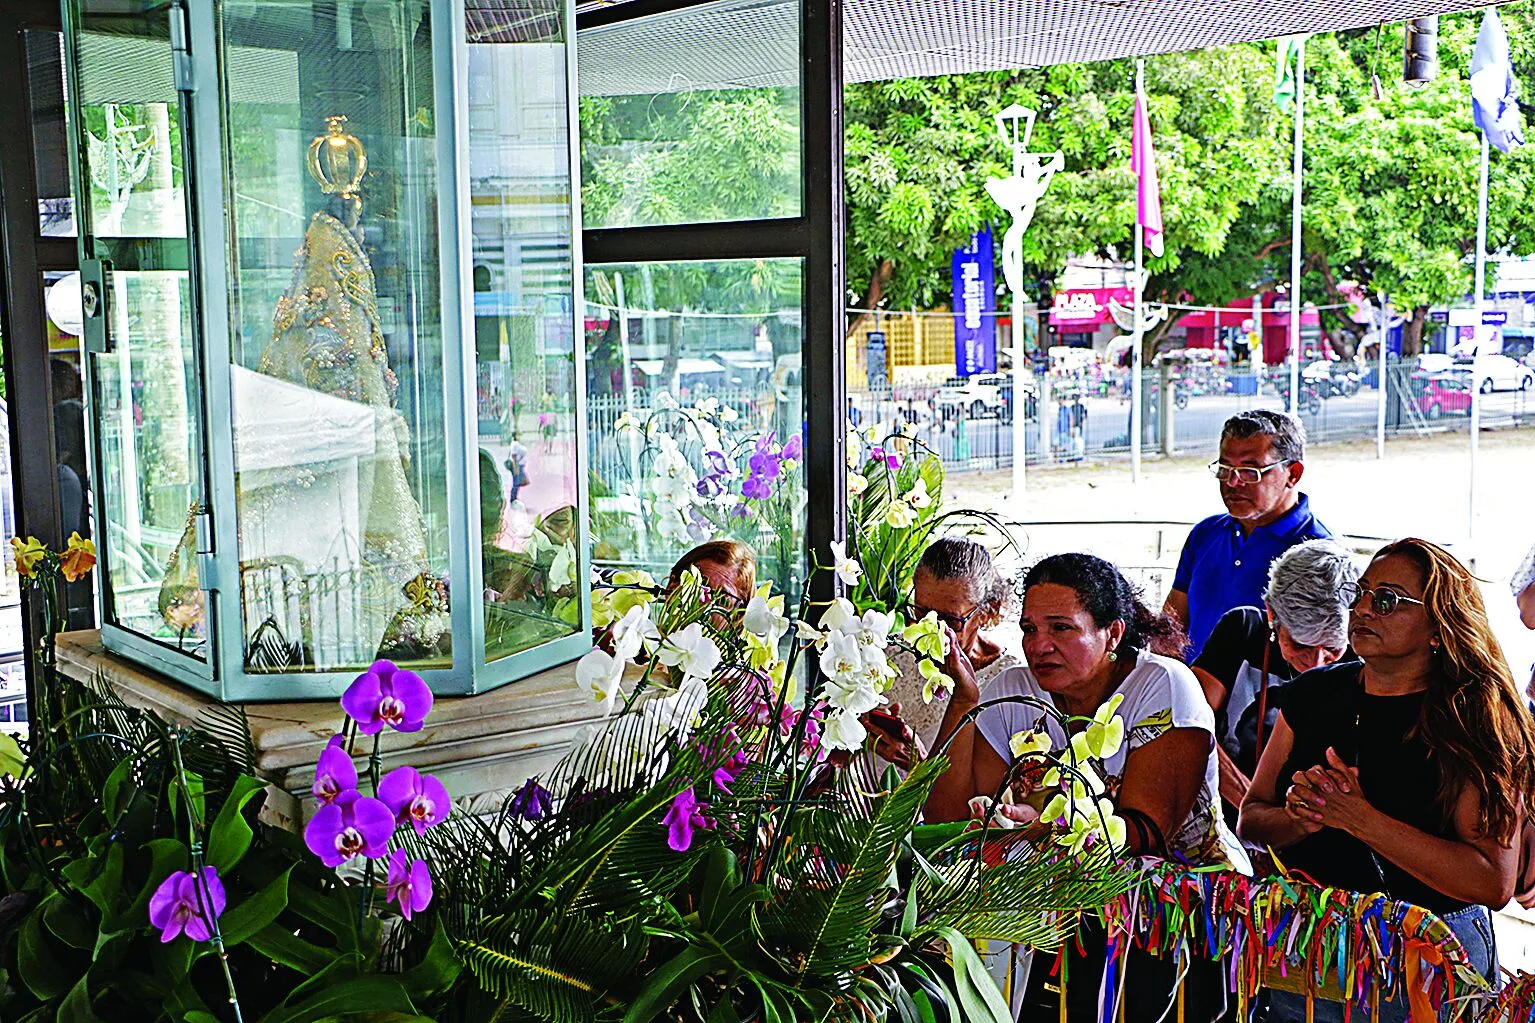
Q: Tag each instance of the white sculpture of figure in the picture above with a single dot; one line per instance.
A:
(1020, 193)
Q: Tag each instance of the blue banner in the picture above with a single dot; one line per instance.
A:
(975, 306)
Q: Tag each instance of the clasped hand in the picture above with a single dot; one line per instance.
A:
(1327, 796)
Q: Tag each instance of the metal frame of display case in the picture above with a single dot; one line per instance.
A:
(815, 236)
(224, 674)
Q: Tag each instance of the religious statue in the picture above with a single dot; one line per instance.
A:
(1020, 193)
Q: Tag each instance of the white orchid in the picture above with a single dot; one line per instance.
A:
(764, 620)
(899, 515)
(707, 407)
(841, 658)
(728, 414)
(666, 401)
(628, 421)
(678, 712)
(562, 570)
(840, 616)
(602, 673)
(633, 631)
(690, 651)
(843, 730)
(857, 483)
(874, 628)
(809, 633)
(848, 569)
(918, 497)
(611, 755)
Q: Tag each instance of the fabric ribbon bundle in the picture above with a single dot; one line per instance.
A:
(1290, 934)
(1515, 1003)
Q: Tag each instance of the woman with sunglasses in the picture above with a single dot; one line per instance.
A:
(1409, 773)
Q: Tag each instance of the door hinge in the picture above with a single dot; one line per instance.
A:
(181, 53)
(207, 562)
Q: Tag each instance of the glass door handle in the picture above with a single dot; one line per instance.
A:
(93, 304)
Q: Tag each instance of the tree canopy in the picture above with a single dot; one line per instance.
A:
(1390, 194)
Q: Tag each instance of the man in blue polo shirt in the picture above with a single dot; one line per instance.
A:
(1225, 561)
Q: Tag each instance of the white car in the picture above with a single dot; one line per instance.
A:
(975, 396)
(1501, 373)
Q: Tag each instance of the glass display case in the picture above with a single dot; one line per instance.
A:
(330, 253)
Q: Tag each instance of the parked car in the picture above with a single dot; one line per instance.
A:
(976, 396)
(1444, 394)
(1030, 402)
(1501, 373)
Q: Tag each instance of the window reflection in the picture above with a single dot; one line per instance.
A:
(524, 323)
(696, 412)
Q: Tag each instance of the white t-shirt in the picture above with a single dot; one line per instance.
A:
(1160, 694)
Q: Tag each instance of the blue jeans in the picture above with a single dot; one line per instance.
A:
(1472, 925)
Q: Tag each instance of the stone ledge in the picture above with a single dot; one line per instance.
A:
(480, 746)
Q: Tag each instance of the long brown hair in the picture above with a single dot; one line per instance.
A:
(1474, 719)
(739, 560)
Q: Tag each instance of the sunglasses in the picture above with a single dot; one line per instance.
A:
(955, 622)
(1383, 601)
(1248, 474)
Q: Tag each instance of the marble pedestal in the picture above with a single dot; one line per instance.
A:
(482, 747)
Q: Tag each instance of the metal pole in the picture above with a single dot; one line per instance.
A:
(1380, 378)
(1257, 352)
(1020, 431)
(1479, 290)
(1139, 323)
(1295, 224)
(627, 358)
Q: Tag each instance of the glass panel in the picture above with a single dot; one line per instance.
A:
(145, 385)
(524, 323)
(692, 117)
(149, 486)
(337, 376)
(704, 359)
(61, 299)
(50, 153)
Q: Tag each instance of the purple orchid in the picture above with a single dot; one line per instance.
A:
(793, 449)
(756, 488)
(353, 824)
(334, 773)
(409, 883)
(532, 802)
(892, 459)
(685, 815)
(699, 526)
(183, 906)
(766, 462)
(726, 772)
(417, 799)
(740, 511)
(387, 695)
(719, 465)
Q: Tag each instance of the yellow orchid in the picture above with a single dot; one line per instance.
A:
(28, 553)
(634, 588)
(79, 557)
(857, 483)
(935, 685)
(900, 515)
(1106, 732)
(1024, 744)
(926, 636)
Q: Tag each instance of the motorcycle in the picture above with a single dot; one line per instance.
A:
(1310, 394)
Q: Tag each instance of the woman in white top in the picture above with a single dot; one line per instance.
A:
(1087, 636)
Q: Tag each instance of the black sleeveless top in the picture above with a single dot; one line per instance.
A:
(1397, 773)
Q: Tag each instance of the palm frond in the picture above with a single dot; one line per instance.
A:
(817, 931)
(559, 966)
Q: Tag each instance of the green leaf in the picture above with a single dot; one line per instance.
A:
(241, 922)
(231, 834)
(117, 788)
(669, 981)
(374, 993)
(282, 946)
(107, 887)
(909, 914)
(978, 994)
(12, 762)
(40, 965)
(66, 921)
(435, 973)
(76, 1007)
(166, 856)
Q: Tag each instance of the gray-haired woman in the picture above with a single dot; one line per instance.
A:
(1253, 652)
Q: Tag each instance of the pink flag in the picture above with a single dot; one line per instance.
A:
(1143, 161)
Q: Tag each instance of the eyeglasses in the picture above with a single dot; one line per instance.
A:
(955, 622)
(1242, 473)
(1383, 601)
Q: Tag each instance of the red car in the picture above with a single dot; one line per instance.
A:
(1444, 394)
